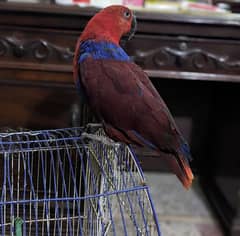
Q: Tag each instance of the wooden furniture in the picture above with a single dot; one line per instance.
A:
(193, 61)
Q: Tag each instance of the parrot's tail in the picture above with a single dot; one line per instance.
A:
(181, 168)
(188, 175)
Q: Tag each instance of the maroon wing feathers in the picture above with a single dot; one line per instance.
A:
(123, 100)
(123, 97)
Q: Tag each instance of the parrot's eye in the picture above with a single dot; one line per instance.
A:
(127, 14)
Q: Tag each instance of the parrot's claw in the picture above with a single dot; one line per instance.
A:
(98, 138)
(93, 127)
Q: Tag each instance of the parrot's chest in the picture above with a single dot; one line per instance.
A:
(101, 50)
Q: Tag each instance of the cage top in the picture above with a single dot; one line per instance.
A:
(11, 140)
(93, 184)
(8, 133)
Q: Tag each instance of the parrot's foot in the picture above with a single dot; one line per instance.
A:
(93, 126)
(99, 125)
(98, 138)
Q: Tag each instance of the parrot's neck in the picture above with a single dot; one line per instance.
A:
(101, 50)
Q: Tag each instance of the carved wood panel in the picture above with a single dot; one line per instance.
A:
(40, 55)
(186, 54)
(53, 51)
(39, 50)
(37, 47)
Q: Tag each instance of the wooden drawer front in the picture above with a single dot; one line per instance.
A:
(42, 106)
(52, 51)
(41, 49)
(186, 54)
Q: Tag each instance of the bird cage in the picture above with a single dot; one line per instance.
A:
(71, 181)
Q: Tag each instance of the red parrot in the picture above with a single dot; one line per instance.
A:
(121, 94)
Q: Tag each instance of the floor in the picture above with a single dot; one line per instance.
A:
(181, 212)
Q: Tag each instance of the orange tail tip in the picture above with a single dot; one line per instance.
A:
(187, 182)
(187, 177)
(181, 169)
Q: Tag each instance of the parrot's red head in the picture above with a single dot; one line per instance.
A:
(110, 24)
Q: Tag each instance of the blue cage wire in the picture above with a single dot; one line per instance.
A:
(72, 182)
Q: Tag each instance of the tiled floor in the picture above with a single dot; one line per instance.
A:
(181, 212)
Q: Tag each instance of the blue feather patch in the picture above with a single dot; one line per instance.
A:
(186, 151)
(102, 50)
(143, 140)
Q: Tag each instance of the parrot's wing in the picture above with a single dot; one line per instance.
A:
(121, 94)
(143, 77)
(134, 112)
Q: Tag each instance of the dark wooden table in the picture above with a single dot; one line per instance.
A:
(193, 61)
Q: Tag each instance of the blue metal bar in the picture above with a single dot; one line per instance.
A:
(29, 159)
(137, 188)
(55, 150)
(129, 201)
(96, 190)
(137, 193)
(72, 174)
(148, 193)
(64, 189)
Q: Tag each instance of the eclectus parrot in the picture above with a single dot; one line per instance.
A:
(121, 94)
